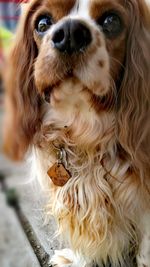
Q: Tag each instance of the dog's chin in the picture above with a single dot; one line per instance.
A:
(70, 83)
(70, 87)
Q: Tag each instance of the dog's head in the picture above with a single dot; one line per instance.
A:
(96, 46)
(83, 40)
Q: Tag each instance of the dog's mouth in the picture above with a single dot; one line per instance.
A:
(64, 76)
(77, 73)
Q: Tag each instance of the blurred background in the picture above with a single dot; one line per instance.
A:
(26, 238)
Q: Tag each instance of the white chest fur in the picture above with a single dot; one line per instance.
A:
(98, 207)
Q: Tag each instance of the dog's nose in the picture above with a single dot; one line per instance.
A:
(71, 37)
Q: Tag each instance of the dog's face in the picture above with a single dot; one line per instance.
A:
(83, 41)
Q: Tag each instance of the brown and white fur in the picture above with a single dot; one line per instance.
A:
(98, 109)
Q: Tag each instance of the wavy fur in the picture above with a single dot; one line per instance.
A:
(102, 121)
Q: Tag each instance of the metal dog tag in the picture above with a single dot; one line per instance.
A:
(58, 172)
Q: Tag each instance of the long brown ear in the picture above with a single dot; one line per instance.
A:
(134, 106)
(22, 113)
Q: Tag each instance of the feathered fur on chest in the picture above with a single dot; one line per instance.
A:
(96, 201)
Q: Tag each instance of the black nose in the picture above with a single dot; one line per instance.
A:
(72, 36)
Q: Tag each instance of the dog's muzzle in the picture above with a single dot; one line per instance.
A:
(71, 37)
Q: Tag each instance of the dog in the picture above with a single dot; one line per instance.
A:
(77, 98)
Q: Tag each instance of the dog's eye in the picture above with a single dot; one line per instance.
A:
(111, 24)
(43, 23)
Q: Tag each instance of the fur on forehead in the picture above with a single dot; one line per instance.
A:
(82, 8)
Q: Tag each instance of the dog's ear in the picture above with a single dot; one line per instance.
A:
(22, 102)
(134, 106)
